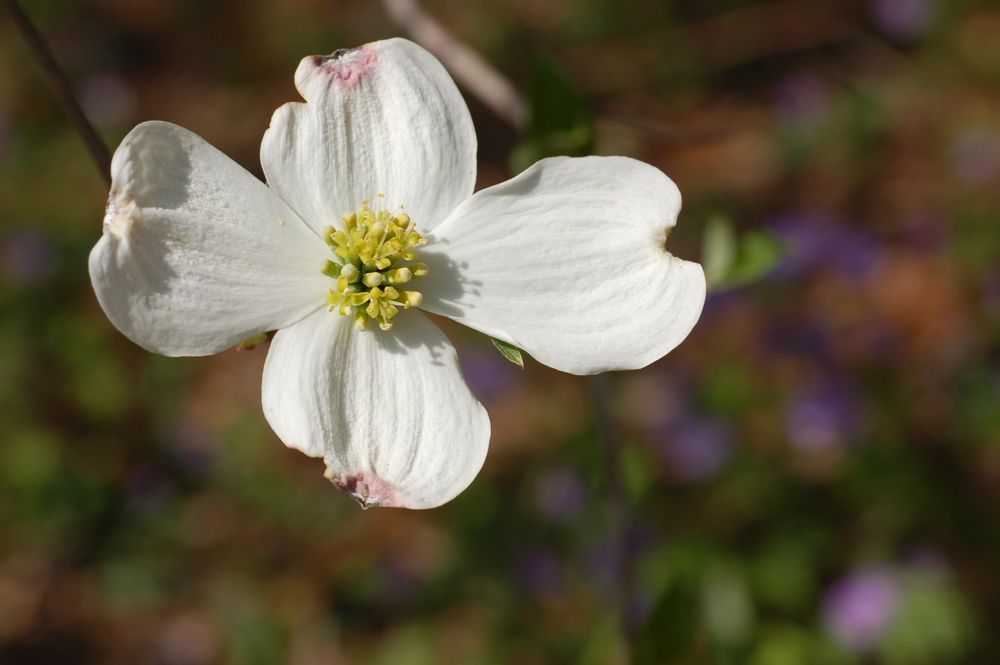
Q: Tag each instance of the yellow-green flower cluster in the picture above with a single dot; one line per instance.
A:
(375, 250)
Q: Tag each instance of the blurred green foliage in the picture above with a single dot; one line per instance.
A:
(810, 478)
(558, 122)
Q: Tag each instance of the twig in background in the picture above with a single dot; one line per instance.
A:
(64, 91)
(469, 69)
(621, 520)
(749, 34)
(634, 119)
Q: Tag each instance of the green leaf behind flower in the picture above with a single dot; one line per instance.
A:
(508, 351)
(731, 260)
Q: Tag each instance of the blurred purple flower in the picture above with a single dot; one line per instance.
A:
(559, 494)
(28, 258)
(904, 20)
(718, 301)
(696, 450)
(802, 100)
(539, 573)
(807, 338)
(823, 419)
(975, 156)
(815, 240)
(108, 100)
(858, 608)
(603, 562)
(148, 489)
(399, 580)
(488, 374)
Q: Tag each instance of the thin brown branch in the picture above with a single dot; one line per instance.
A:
(470, 70)
(621, 519)
(623, 116)
(63, 89)
(768, 30)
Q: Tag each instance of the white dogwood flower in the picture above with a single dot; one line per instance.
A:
(368, 215)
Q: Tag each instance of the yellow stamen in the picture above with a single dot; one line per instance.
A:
(373, 250)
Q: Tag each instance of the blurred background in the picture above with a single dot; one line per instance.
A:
(812, 477)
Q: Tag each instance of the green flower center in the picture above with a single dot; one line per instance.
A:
(374, 251)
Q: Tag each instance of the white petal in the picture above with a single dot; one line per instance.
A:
(568, 262)
(388, 411)
(197, 255)
(385, 117)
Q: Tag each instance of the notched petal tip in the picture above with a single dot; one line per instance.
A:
(119, 214)
(368, 490)
(336, 55)
(665, 240)
(345, 66)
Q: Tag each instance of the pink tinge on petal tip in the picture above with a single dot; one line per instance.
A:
(119, 213)
(110, 210)
(369, 491)
(348, 66)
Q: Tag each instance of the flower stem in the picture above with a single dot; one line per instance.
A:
(621, 522)
(63, 89)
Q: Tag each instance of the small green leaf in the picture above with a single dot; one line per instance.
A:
(759, 254)
(731, 260)
(508, 351)
(251, 342)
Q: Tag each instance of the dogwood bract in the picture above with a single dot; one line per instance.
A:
(369, 215)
